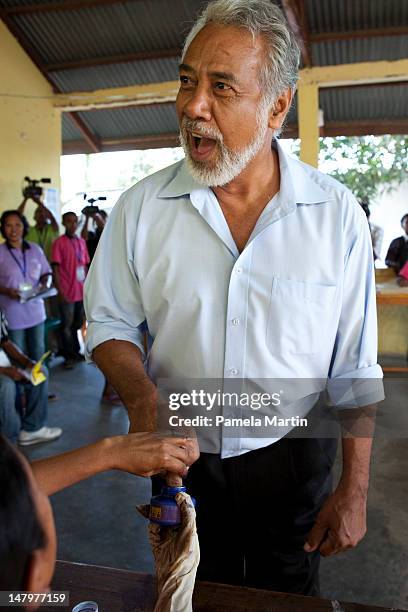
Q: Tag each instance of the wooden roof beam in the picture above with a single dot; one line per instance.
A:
(153, 141)
(48, 7)
(358, 73)
(134, 95)
(112, 59)
(366, 33)
(295, 12)
(333, 128)
(372, 127)
(90, 138)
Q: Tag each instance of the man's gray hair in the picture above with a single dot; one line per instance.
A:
(260, 18)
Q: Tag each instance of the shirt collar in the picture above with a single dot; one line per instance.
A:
(298, 181)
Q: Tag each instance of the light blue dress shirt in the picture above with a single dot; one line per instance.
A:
(297, 303)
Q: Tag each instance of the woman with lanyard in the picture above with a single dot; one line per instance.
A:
(23, 266)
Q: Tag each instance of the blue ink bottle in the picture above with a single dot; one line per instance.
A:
(164, 510)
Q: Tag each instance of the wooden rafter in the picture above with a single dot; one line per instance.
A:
(355, 128)
(155, 141)
(92, 140)
(350, 34)
(295, 12)
(333, 128)
(47, 7)
(112, 59)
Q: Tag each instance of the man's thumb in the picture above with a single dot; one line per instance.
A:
(315, 537)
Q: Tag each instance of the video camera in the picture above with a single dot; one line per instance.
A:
(91, 209)
(33, 189)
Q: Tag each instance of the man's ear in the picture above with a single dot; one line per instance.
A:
(280, 109)
(36, 576)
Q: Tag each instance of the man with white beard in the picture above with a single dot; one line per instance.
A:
(242, 263)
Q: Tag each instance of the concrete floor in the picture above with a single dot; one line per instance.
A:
(96, 521)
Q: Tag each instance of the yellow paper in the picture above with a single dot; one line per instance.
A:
(37, 376)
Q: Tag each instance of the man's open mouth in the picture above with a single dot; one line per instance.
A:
(202, 146)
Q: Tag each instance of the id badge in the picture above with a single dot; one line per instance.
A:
(80, 273)
(25, 287)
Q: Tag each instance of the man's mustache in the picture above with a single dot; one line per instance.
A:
(192, 125)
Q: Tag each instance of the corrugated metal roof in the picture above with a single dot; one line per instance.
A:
(69, 131)
(354, 103)
(117, 75)
(345, 15)
(110, 29)
(360, 50)
(134, 121)
(134, 26)
(27, 2)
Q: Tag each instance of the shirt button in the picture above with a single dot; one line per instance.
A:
(235, 321)
(239, 270)
(233, 371)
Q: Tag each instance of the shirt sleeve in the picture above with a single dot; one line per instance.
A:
(56, 252)
(113, 302)
(355, 378)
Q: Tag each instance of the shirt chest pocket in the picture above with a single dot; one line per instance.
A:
(299, 316)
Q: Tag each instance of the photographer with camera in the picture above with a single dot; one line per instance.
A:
(92, 237)
(45, 230)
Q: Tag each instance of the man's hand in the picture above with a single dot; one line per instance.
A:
(341, 523)
(146, 454)
(14, 373)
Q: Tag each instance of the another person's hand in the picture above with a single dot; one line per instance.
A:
(146, 454)
(14, 373)
(340, 524)
(13, 293)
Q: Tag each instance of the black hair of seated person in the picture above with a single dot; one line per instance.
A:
(20, 530)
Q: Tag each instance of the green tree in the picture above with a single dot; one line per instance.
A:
(367, 165)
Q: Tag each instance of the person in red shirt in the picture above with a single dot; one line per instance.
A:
(70, 259)
(403, 276)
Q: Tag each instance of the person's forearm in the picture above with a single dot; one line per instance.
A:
(56, 473)
(53, 221)
(358, 431)
(13, 351)
(121, 362)
(356, 463)
(84, 230)
(56, 277)
(22, 206)
(4, 290)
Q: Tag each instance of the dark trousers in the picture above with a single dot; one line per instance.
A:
(72, 317)
(255, 511)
